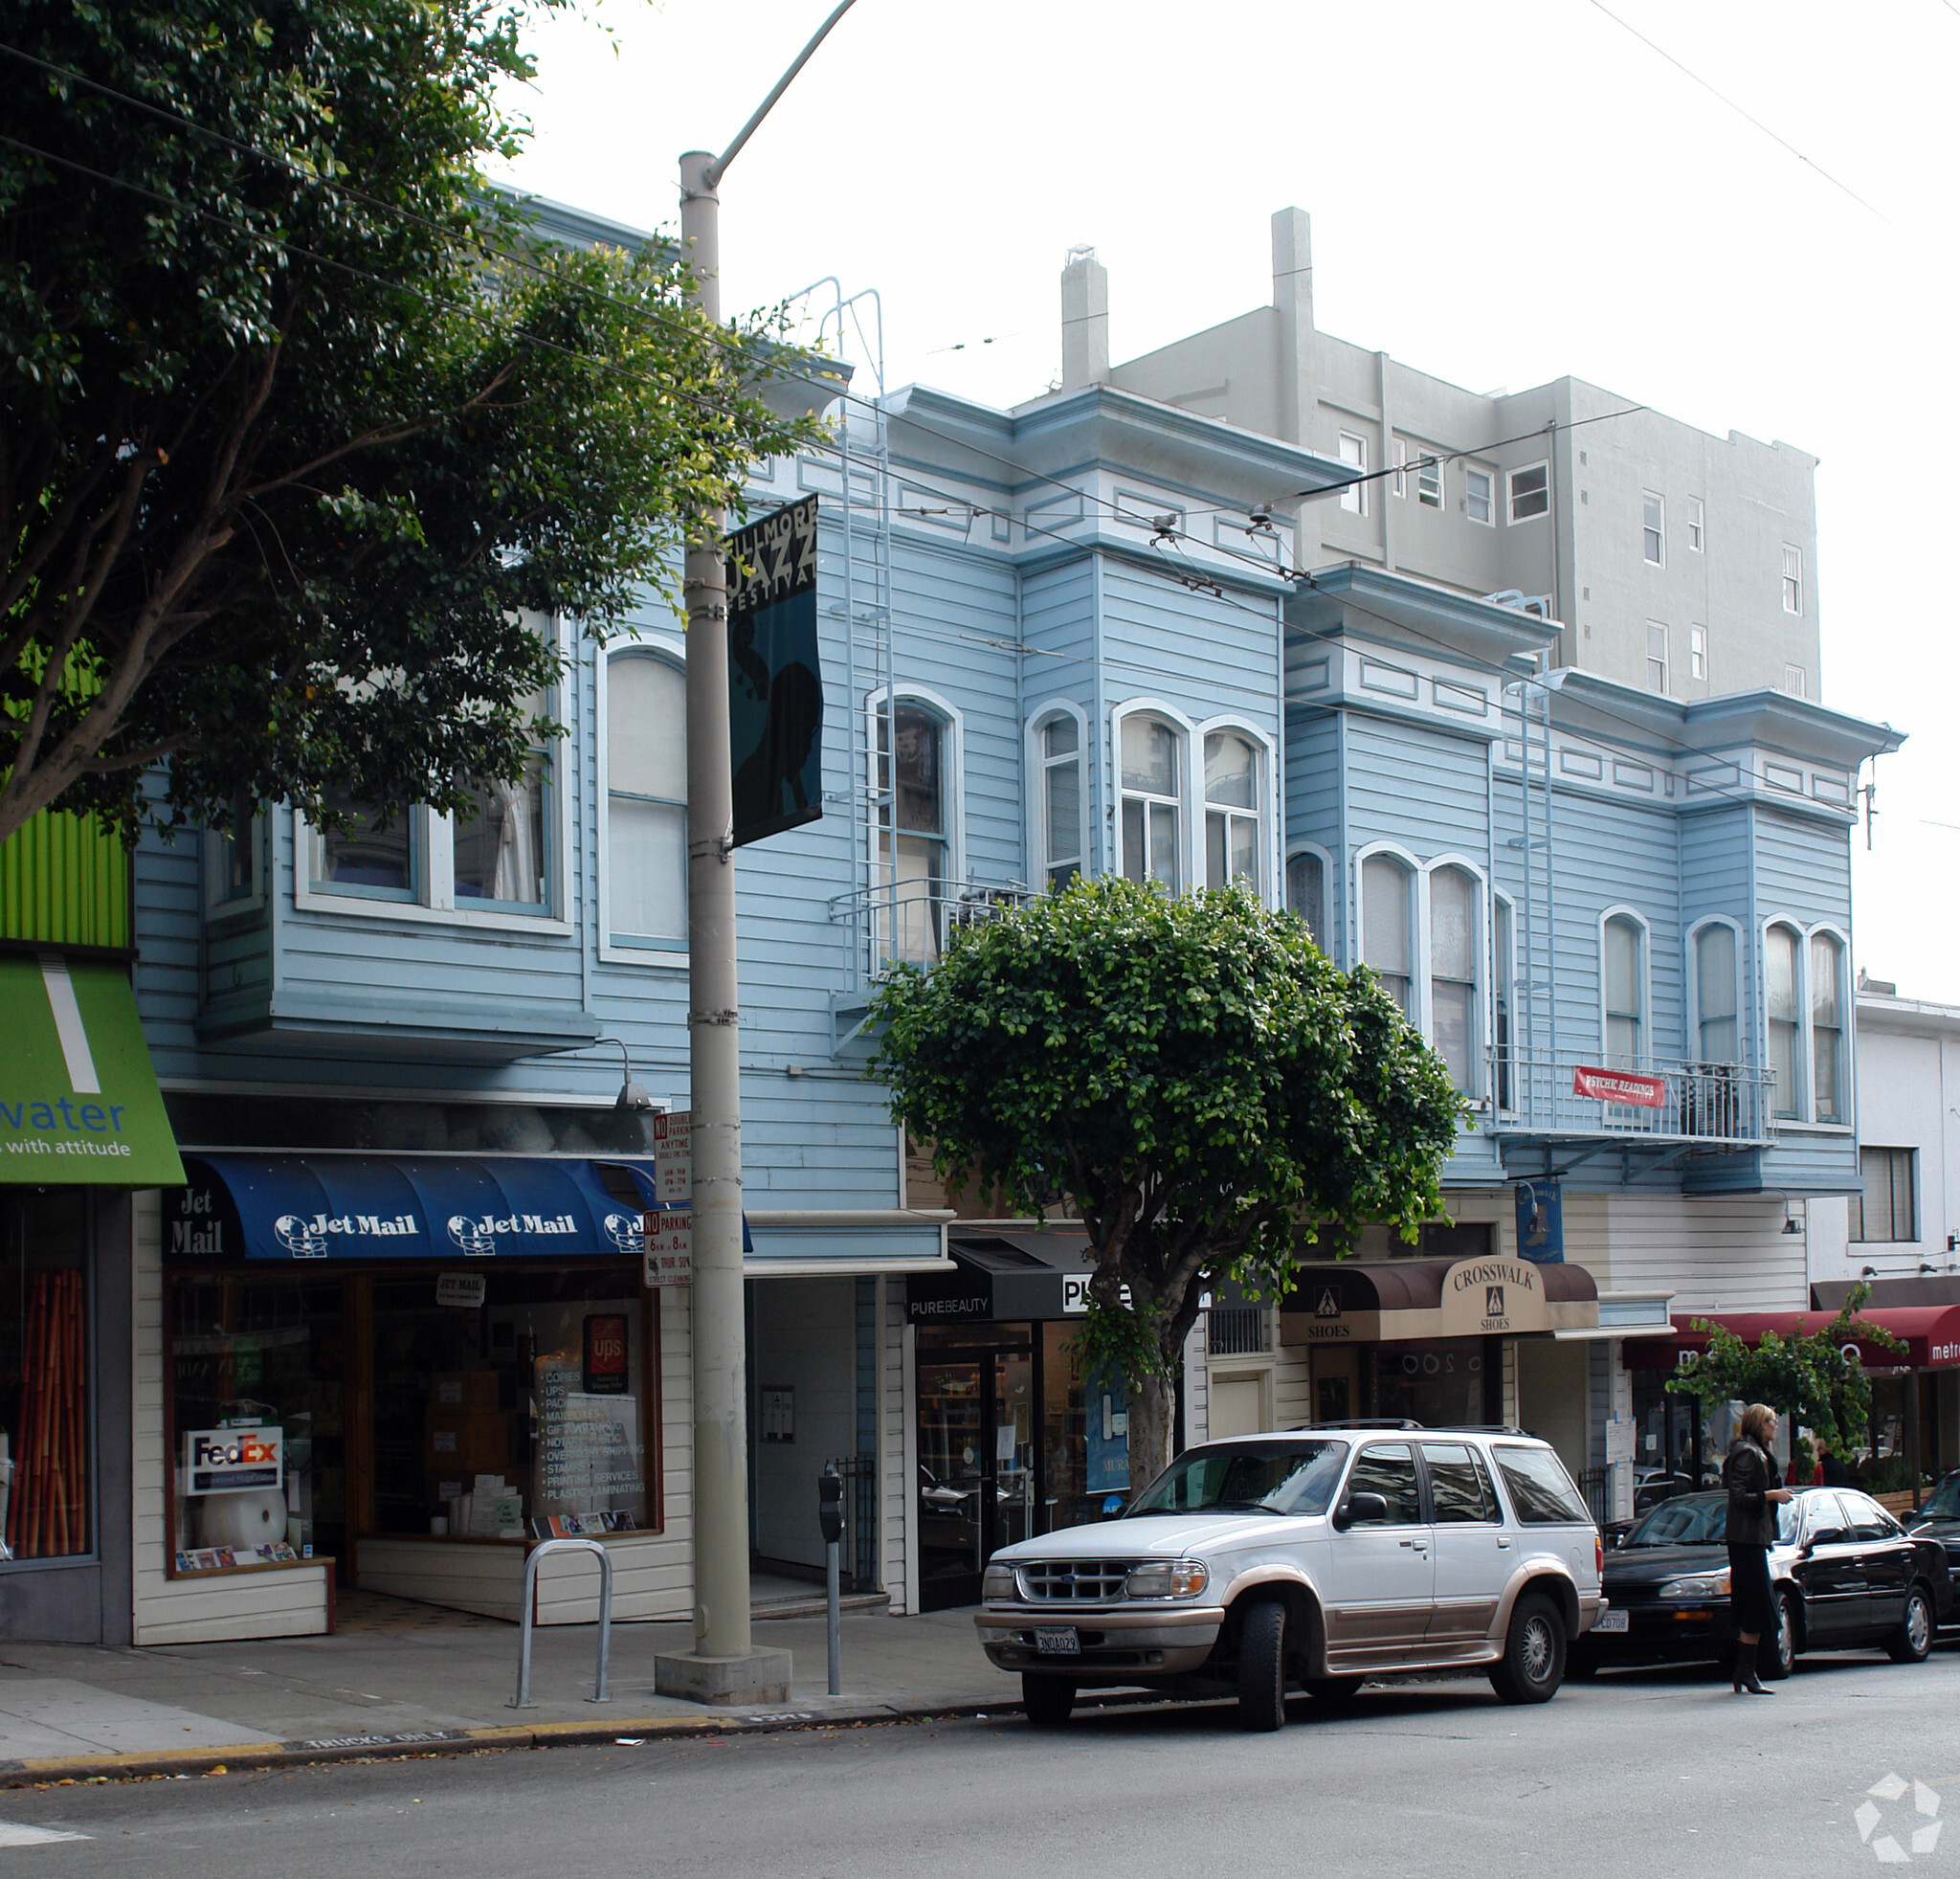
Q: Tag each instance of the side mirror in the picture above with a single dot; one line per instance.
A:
(1361, 1509)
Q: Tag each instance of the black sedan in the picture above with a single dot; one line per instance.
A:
(1939, 1519)
(1846, 1574)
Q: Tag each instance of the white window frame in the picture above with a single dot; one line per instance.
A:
(433, 900)
(1665, 661)
(1691, 980)
(1860, 1238)
(1353, 495)
(1040, 716)
(1471, 471)
(1645, 927)
(1800, 688)
(1272, 880)
(672, 956)
(1696, 521)
(1431, 463)
(216, 904)
(1398, 456)
(1792, 582)
(1511, 516)
(1480, 1017)
(1418, 924)
(1698, 653)
(1847, 1012)
(1504, 979)
(1659, 558)
(1329, 921)
(1189, 772)
(954, 755)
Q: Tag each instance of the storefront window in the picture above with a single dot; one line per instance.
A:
(511, 1404)
(1085, 1435)
(257, 1367)
(46, 1446)
(1439, 1385)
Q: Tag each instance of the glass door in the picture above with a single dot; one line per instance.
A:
(979, 1465)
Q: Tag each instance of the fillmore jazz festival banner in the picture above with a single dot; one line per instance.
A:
(776, 683)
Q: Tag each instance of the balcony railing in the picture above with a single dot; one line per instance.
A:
(910, 919)
(1724, 1105)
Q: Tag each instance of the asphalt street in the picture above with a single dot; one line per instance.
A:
(1651, 1773)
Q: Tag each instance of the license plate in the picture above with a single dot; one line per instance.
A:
(1057, 1640)
(1610, 1621)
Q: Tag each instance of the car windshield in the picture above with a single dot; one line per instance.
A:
(1697, 1520)
(1291, 1477)
(1943, 1502)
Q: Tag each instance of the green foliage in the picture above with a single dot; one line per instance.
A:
(300, 420)
(1192, 1076)
(1806, 1374)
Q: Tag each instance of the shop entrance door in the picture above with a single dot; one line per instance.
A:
(978, 1467)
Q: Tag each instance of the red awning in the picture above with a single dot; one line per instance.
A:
(1929, 1333)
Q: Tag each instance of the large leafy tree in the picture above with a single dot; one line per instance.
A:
(297, 419)
(1191, 1077)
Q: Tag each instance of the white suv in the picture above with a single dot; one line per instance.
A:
(1317, 1558)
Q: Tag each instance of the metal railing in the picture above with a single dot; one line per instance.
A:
(858, 1549)
(910, 919)
(600, 1694)
(1723, 1104)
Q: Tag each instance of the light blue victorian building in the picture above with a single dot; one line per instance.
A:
(1060, 638)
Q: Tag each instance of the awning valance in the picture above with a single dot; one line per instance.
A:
(404, 1207)
(1006, 1277)
(1387, 1301)
(79, 1099)
(1929, 1333)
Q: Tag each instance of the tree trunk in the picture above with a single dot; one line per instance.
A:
(1152, 1417)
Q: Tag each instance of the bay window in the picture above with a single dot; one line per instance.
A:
(1626, 1026)
(1152, 802)
(646, 799)
(1781, 977)
(1386, 926)
(1232, 810)
(1452, 972)
(1827, 1028)
(1716, 1003)
(1060, 756)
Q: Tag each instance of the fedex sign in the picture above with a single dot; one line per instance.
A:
(234, 1461)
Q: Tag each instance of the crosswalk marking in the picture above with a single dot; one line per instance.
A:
(13, 1834)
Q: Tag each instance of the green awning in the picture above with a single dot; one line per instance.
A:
(79, 1099)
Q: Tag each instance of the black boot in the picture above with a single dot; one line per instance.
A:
(1746, 1678)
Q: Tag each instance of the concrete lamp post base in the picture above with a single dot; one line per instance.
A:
(761, 1676)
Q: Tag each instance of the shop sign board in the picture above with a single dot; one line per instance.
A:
(1541, 1221)
(234, 1461)
(1481, 1296)
(603, 1372)
(674, 1157)
(465, 1290)
(669, 1234)
(1623, 1086)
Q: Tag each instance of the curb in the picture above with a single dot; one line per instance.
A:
(247, 1756)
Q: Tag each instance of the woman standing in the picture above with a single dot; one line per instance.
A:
(1755, 1492)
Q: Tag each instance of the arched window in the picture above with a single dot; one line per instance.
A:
(646, 798)
(1232, 809)
(912, 846)
(1059, 751)
(1385, 925)
(1152, 802)
(1306, 893)
(1626, 1015)
(1827, 1027)
(1718, 1040)
(1782, 968)
(499, 848)
(1452, 972)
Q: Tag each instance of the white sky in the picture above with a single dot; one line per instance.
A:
(1500, 195)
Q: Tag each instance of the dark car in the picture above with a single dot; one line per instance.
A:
(1846, 1574)
(1939, 1519)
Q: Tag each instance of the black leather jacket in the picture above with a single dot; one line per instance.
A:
(1748, 1474)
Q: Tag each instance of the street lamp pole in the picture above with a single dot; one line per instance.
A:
(723, 1666)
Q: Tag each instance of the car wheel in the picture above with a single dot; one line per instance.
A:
(1262, 1667)
(1335, 1689)
(1777, 1657)
(1046, 1701)
(1914, 1637)
(1534, 1660)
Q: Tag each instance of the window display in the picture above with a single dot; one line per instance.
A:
(46, 1487)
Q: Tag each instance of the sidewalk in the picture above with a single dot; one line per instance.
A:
(401, 1678)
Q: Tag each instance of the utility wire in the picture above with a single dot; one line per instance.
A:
(1746, 116)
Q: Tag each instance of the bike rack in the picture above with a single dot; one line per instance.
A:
(522, 1699)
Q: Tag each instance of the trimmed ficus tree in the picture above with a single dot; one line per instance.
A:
(1191, 1078)
(300, 424)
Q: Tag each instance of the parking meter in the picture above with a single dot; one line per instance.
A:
(830, 1505)
(830, 1515)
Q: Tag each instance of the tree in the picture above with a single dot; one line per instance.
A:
(1191, 1077)
(297, 419)
(1815, 1375)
